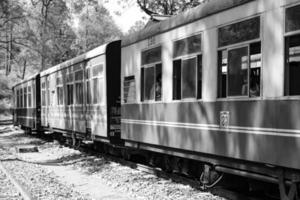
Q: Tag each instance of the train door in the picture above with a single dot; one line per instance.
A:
(98, 97)
(79, 120)
(88, 100)
(70, 99)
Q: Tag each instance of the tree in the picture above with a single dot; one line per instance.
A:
(97, 26)
(167, 7)
(53, 37)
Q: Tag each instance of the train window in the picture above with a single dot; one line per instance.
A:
(151, 56)
(16, 98)
(255, 69)
(158, 82)
(189, 75)
(129, 89)
(98, 70)
(78, 75)
(149, 83)
(151, 75)
(177, 79)
(70, 94)
(187, 68)
(21, 98)
(60, 95)
(69, 77)
(98, 90)
(25, 97)
(187, 78)
(199, 76)
(292, 65)
(292, 22)
(239, 71)
(29, 96)
(43, 98)
(239, 32)
(152, 83)
(89, 94)
(79, 93)
(187, 46)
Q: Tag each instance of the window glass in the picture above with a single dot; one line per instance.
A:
(129, 89)
(78, 75)
(199, 77)
(70, 94)
(188, 82)
(79, 93)
(97, 70)
(187, 46)
(151, 55)
(59, 80)
(222, 73)
(60, 96)
(292, 20)
(176, 79)
(149, 83)
(238, 72)
(29, 96)
(17, 98)
(292, 65)
(43, 98)
(88, 73)
(97, 90)
(158, 82)
(142, 83)
(255, 69)
(25, 97)
(88, 90)
(69, 77)
(239, 32)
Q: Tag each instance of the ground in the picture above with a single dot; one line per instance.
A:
(59, 172)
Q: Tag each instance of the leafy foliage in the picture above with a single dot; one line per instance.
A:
(167, 7)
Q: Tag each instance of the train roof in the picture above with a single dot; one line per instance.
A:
(199, 12)
(26, 80)
(88, 55)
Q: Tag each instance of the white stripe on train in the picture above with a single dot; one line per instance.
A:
(214, 127)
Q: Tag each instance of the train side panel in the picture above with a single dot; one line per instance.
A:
(197, 113)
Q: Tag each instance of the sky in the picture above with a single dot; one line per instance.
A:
(124, 16)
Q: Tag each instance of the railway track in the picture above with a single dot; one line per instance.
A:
(220, 190)
(10, 188)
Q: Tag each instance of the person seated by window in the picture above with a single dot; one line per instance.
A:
(156, 89)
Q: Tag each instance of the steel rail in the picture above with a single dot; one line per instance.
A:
(22, 191)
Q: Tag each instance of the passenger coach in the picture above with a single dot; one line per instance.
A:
(80, 98)
(27, 105)
(218, 84)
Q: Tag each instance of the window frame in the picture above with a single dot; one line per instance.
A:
(286, 87)
(236, 46)
(100, 76)
(59, 75)
(123, 91)
(187, 57)
(70, 73)
(29, 96)
(75, 82)
(149, 65)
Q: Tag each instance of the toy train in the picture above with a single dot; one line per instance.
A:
(217, 86)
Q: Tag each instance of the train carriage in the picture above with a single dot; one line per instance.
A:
(81, 97)
(218, 84)
(26, 111)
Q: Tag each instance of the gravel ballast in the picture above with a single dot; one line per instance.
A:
(59, 172)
